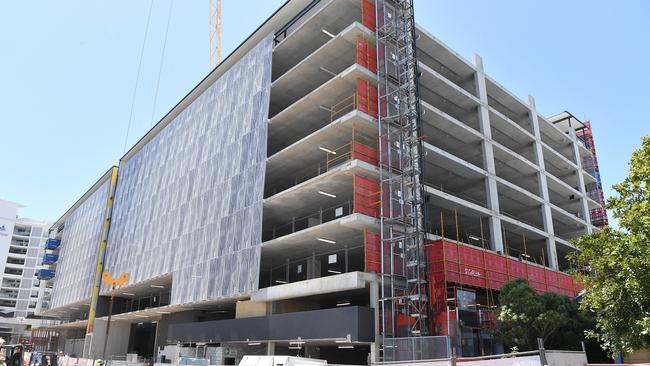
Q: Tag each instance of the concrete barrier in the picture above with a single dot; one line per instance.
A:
(565, 358)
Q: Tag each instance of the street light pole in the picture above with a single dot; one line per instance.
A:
(108, 322)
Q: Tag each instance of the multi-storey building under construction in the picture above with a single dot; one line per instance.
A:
(342, 186)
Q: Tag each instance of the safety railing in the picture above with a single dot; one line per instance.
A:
(341, 108)
(518, 218)
(333, 158)
(288, 272)
(318, 217)
(456, 194)
(20, 243)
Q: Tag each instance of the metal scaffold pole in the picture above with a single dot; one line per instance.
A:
(403, 265)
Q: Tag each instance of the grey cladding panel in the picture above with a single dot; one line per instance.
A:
(78, 252)
(189, 202)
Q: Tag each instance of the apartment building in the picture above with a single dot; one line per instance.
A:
(314, 196)
(21, 253)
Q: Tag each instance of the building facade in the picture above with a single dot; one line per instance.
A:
(22, 295)
(280, 203)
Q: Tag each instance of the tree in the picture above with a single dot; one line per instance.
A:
(617, 263)
(523, 316)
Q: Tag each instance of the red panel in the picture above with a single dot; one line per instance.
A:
(536, 274)
(440, 322)
(372, 101)
(565, 281)
(551, 288)
(452, 264)
(371, 58)
(551, 278)
(538, 286)
(368, 15)
(372, 249)
(366, 55)
(472, 276)
(366, 97)
(471, 256)
(365, 153)
(362, 95)
(495, 262)
(366, 196)
(362, 52)
(496, 279)
(403, 319)
(516, 269)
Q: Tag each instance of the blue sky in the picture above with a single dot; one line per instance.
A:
(68, 70)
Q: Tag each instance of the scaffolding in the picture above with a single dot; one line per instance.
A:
(594, 190)
(403, 265)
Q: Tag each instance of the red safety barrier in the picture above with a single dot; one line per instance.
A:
(372, 251)
(366, 97)
(468, 266)
(366, 196)
(366, 55)
(368, 16)
(365, 153)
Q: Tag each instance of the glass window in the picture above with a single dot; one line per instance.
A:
(298, 271)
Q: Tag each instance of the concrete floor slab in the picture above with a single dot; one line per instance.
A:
(317, 286)
(307, 151)
(342, 232)
(306, 197)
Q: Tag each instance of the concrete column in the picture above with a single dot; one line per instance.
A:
(270, 348)
(374, 303)
(547, 217)
(118, 339)
(494, 222)
(581, 181)
(313, 267)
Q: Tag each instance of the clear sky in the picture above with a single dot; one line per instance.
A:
(68, 71)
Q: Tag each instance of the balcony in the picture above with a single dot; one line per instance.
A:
(13, 271)
(20, 242)
(22, 230)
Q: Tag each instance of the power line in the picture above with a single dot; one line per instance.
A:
(137, 79)
(162, 58)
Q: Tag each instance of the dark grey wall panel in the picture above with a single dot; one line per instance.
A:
(356, 321)
(189, 202)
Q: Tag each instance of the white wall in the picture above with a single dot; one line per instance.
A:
(118, 338)
(565, 358)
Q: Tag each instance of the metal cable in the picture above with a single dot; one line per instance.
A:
(162, 58)
(137, 79)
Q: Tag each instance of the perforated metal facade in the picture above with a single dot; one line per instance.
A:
(78, 251)
(189, 202)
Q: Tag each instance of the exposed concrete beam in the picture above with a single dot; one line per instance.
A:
(317, 286)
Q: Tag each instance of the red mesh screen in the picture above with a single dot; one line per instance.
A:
(366, 196)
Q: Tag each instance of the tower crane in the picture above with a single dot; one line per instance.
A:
(215, 32)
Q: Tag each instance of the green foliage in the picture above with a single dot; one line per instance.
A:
(523, 316)
(617, 283)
